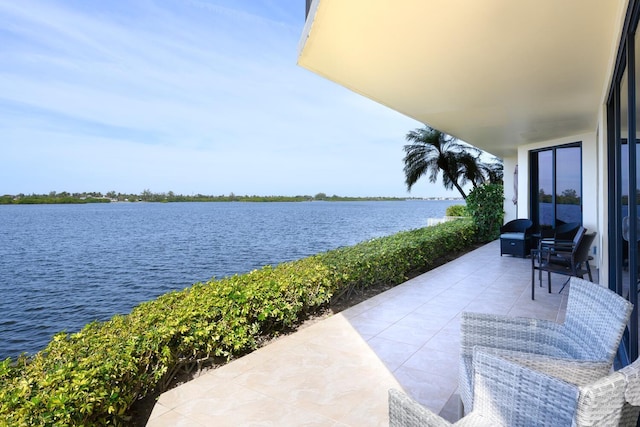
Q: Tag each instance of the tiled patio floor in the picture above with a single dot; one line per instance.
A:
(337, 371)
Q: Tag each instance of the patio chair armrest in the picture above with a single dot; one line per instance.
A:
(631, 409)
(511, 394)
(406, 412)
(632, 375)
(601, 402)
(578, 372)
(509, 333)
(563, 245)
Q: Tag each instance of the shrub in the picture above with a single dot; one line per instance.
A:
(457, 210)
(94, 376)
(486, 205)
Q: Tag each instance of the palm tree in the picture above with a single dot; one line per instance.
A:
(431, 152)
(473, 170)
(470, 167)
(494, 170)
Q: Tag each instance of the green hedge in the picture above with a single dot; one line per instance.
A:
(93, 377)
(486, 205)
(457, 210)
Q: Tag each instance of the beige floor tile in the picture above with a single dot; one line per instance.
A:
(445, 341)
(388, 312)
(393, 353)
(430, 390)
(345, 335)
(416, 334)
(424, 317)
(488, 307)
(453, 326)
(353, 409)
(158, 410)
(174, 419)
(183, 394)
(243, 407)
(430, 361)
(451, 410)
(368, 327)
(445, 305)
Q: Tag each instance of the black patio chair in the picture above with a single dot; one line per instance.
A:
(563, 259)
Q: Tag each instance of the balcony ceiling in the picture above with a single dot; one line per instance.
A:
(494, 73)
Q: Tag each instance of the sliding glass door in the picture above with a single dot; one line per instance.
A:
(623, 117)
(556, 185)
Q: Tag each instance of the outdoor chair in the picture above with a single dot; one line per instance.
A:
(631, 408)
(548, 245)
(508, 393)
(568, 260)
(594, 322)
(515, 237)
(562, 234)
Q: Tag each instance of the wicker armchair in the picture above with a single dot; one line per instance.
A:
(631, 409)
(594, 323)
(510, 394)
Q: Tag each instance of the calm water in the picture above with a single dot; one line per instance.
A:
(62, 266)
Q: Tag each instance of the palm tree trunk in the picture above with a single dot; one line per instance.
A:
(455, 184)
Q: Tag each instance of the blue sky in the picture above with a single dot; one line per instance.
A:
(199, 96)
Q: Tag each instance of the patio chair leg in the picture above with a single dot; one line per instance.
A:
(533, 290)
(565, 284)
(533, 286)
(549, 280)
(533, 278)
(540, 277)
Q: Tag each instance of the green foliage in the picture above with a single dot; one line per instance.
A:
(486, 205)
(457, 210)
(36, 199)
(393, 259)
(94, 376)
(568, 197)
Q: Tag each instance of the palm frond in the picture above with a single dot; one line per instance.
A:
(430, 152)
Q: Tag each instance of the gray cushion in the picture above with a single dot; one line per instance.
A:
(512, 236)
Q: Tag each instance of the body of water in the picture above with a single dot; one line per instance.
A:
(63, 266)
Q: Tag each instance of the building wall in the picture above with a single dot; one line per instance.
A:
(602, 255)
(511, 211)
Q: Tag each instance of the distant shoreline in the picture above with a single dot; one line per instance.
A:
(112, 197)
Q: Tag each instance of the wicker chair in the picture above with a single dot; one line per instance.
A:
(594, 323)
(511, 394)
(631, 409)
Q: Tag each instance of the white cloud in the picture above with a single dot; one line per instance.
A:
(188, 96)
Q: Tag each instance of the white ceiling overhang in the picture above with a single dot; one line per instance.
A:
(494, 73)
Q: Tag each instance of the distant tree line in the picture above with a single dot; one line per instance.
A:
(149, 196)
(52, 198)
(567, 197)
